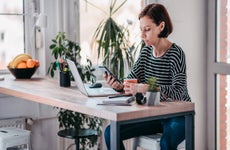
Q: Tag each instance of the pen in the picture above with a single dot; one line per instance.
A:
(115, 104)
(122, 95)
(58, 66)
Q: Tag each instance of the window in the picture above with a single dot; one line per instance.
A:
(219, 75)
(222, 79)
(11, 30)
(90, 17)
(223, 111)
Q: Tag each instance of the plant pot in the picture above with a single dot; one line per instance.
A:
(152, 98)
(64, 79)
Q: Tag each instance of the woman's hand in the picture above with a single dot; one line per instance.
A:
(113, 83)
(133, 88)
(130, 88)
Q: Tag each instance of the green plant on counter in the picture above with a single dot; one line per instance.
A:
(152, 82)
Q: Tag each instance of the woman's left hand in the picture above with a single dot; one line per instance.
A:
(134, 88)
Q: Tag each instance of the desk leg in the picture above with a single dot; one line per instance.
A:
(115, 135)
(189, 131)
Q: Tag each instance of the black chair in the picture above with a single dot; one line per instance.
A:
(75, 134)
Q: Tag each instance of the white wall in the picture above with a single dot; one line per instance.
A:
(61, 16)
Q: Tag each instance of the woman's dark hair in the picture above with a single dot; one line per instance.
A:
(158, 13)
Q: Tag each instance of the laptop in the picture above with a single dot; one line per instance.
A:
(85, 89)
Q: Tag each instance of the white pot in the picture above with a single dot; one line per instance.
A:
(152, 98)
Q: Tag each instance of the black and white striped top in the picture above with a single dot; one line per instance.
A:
(169, 69)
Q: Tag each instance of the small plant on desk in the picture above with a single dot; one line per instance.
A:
(153, 94)
(152, 83)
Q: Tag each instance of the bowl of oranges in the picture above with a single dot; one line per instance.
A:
(23, 66)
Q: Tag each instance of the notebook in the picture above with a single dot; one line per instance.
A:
(119, 100)
(84, 88)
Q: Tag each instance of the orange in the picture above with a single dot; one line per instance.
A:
(37, 64)
(22, 65)
(30, 63)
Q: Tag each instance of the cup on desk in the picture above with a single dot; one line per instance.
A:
(64, 78)
(128, 83)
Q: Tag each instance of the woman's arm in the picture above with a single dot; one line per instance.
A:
(178, 89)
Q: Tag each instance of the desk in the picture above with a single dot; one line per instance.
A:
(47, 91)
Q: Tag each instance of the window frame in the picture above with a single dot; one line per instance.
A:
(213, 68)
(30, 12)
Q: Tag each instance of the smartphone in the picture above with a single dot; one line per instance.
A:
(106, 70)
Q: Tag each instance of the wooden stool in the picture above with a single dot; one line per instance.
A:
(13, 137)
(75, 134)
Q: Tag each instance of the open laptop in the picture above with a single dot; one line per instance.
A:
(84, 88)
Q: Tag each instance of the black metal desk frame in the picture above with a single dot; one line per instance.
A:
(189, 128)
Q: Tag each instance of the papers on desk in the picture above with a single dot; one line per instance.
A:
(1, 78)
(118, 101)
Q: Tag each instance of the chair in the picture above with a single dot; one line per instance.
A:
(152, 142)
(75, 134)
(11, 138)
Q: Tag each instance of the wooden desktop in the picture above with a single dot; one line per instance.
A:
(47, 91)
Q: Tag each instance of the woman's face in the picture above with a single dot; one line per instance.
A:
(150, 31)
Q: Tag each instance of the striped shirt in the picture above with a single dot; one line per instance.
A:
(169, 69)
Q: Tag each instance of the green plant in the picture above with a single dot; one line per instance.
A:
(113, 43)
(63, 49)
(152, 82)
(71, 119)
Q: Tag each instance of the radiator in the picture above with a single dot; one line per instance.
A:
(19, 122)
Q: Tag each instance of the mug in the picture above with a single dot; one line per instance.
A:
(127, 83)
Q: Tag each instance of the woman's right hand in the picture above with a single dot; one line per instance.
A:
(112, 82)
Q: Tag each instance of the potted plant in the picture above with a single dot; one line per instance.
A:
(62, 48)
(112, 42)
(70, 119)
(152, 94)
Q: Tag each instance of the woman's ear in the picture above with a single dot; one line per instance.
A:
(162, 25)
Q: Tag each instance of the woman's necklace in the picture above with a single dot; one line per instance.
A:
(161, 52)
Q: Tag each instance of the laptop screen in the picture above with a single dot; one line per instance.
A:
(104, 91)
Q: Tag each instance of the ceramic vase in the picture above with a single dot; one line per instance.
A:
(152, 98)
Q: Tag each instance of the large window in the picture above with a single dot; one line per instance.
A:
(223, 111)
(223, 84)
(219, 75)
(11, 30)
(92, 15)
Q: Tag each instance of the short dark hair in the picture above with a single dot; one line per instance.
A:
(158, 13)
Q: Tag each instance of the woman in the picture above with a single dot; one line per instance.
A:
(164, 60)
